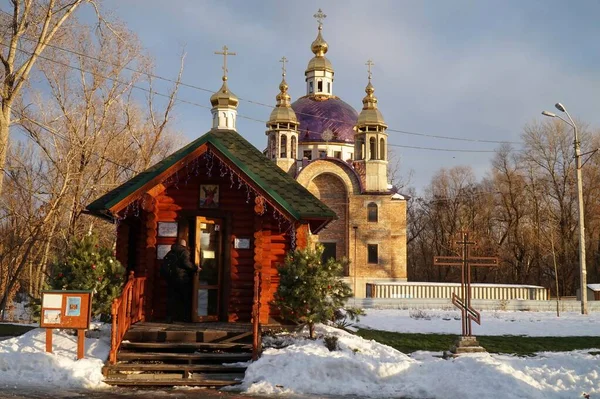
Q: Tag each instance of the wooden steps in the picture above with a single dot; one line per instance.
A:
(185, 346)
(154, 354)
(184, 357)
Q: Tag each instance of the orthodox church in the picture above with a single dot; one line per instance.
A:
(341, 157)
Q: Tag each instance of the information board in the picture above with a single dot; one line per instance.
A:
(66, 309)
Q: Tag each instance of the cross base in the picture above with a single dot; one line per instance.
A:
(466, 345)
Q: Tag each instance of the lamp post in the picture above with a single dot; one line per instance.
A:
(576, 144)
(355, 227)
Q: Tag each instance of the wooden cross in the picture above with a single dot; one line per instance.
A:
(224, 53)
(320, 17)
(465, 262)
(369, 64)
(283, 60)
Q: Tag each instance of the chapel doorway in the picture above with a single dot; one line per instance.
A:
(208, 282)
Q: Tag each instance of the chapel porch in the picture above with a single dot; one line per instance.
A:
(172, 354)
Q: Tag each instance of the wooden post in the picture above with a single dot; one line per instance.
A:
(49, 340)
(80, 343)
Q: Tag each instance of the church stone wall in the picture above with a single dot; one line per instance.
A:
(331, 190)
(388, 233)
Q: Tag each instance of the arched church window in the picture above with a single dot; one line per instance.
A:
(372, 148)
(310, 87)
(294, 147)
(272, 145)
(283, 149)
(320, 86)
(360, 148)
(382, 148)
(372, 212)
(329, 87)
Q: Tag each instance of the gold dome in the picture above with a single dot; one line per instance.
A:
(319, 47)
(370, 115)
(224, 97)
(319, 63)
(283, 111)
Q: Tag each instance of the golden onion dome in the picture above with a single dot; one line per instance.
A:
(370, 115)
(319, 47)
(224, 97)
(283, 111)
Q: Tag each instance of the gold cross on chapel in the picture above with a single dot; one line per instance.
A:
(224, 53)
(369, 64)
(283, 60)
(320, 17)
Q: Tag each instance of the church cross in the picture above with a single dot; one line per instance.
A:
(369, 64)
(320, 17)
(283, 60)
(465, 262)
(224, 53)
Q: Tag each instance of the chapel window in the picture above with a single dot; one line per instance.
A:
(373, 148)
(307, 154)
(372, 255)
(329, 87)
(294, 147)
(382, 148)
(372, 212)
(320, 86)
(360, 143)
(310, 87)
(283, 149)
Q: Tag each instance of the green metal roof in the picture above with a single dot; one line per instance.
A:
(281, 187)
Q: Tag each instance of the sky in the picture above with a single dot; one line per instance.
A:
(360, 368)
(474, 70)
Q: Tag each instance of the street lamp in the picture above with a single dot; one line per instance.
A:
(576, 144)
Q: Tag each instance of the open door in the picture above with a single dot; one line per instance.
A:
(208, 281)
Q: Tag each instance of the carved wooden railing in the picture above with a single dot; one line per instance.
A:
(256, 333)
(126, 310)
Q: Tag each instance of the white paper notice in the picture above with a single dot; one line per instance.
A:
(52, 301)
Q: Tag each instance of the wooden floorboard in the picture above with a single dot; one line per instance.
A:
(184, 345)
(176, 367)
(221, 357)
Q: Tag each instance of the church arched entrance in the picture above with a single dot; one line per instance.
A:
(330, 189)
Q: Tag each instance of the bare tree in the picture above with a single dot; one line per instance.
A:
(27, 30)
(90, 133)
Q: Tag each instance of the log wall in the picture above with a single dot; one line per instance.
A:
(178, 200)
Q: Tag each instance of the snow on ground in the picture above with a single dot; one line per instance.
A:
(367, 369)
(296, 365)
(535, 324)
(25, 362)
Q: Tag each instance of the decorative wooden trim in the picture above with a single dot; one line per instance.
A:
(150, 187)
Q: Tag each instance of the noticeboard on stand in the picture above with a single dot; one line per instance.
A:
(66, 309)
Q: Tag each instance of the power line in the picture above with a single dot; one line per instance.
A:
(438, 149)
(206, 107)
(183, 84)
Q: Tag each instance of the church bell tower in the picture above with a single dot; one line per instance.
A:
(370, 141)
(224, 102)
(282, 129)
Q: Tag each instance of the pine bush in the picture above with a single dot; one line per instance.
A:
(310, 291)
(88, 266)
